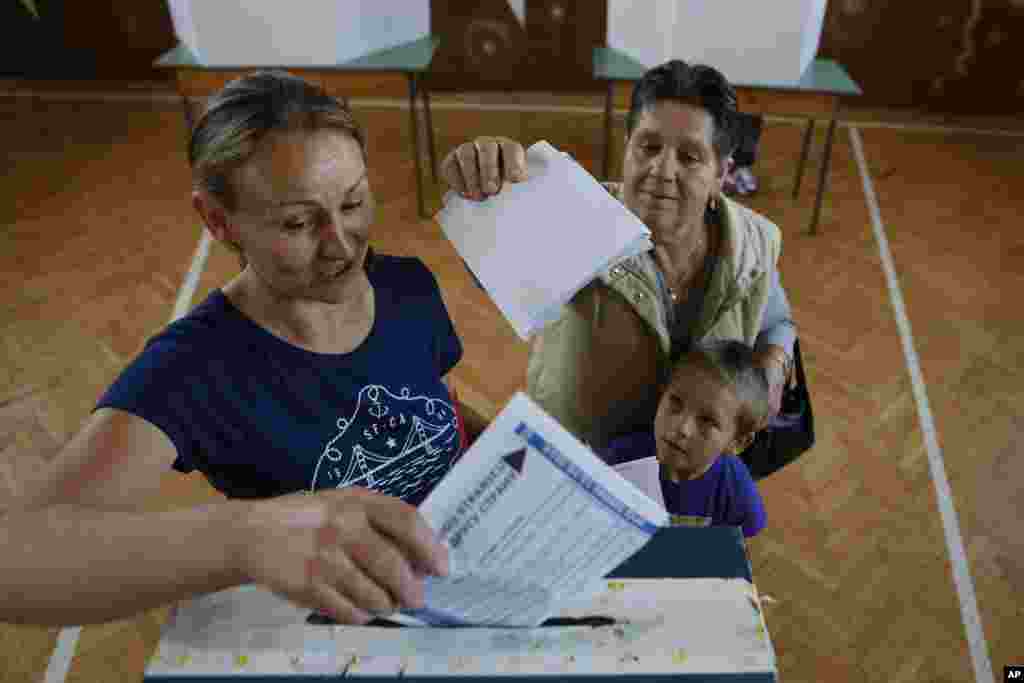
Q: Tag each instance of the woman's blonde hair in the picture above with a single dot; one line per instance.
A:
(237, 118)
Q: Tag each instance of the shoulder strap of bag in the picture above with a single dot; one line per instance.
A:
(798, 365)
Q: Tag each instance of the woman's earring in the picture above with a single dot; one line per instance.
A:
(237, 248)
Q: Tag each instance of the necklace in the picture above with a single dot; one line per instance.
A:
(701, 253)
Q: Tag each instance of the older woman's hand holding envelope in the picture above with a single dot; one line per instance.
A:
(478, 169)
(535, 244)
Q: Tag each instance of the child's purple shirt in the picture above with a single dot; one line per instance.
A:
(724, 495)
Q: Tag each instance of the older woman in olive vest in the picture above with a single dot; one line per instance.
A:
(713, 272)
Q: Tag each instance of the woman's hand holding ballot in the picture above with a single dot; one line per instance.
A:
(352, 552)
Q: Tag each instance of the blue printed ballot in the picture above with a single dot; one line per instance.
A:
(532, 519)
(538, 242)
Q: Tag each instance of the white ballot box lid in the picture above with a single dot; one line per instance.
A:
(682, 627)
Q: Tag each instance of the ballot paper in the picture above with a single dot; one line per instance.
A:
(532, 519)
(538, 242)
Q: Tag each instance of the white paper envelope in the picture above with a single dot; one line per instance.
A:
(538, 242)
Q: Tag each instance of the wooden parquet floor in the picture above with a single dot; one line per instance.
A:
(97, 233)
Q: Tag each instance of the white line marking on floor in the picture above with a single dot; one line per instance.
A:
(188, 286)
(92, 96)
(958, 558)
(60, 660)
(934, 128)
(67, 640)
(440, 105)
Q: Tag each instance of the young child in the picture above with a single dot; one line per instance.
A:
(715, 402)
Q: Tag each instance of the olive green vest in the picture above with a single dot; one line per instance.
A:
(599, 368)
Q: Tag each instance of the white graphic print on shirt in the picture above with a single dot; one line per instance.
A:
(392, 443)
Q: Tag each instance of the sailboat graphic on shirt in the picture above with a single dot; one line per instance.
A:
(396, 444)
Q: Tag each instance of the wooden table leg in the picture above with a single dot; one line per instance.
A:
(808, 134)
(607, 130)
(823, 176)
(186, 107)
(414, 124)
(425, 94)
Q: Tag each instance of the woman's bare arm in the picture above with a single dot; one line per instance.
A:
(79, 546)
(115, 462)
(66, 564)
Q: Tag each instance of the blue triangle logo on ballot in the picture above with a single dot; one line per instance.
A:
(515, 460)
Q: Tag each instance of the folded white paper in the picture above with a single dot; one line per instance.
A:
(538, 242)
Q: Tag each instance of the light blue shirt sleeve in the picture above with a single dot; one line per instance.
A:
(777, 325)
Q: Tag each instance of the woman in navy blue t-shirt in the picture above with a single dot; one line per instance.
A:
(320, 369)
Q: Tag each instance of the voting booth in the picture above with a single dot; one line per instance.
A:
(311, 32)
(750, 42)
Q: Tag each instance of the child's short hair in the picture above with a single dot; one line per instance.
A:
(734, 364)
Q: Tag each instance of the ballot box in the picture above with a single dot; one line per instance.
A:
(311, 32)
(750, 42)
(682, 609)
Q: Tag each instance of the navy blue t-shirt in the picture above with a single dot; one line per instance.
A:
(261, 417)
(724, 495)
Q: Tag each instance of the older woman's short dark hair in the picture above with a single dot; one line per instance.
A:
(735, 365)
(701, 85)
